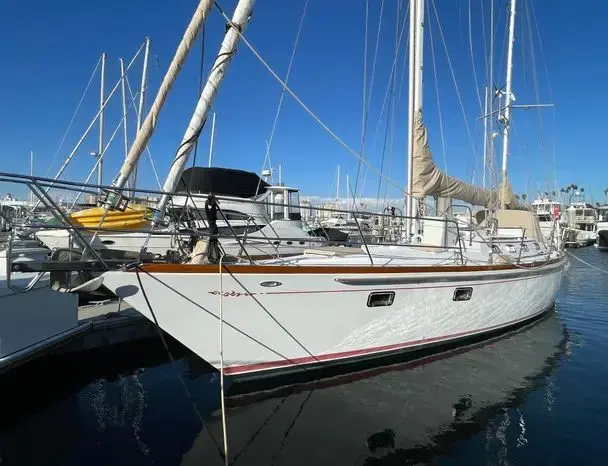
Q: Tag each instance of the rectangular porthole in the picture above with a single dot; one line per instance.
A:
(463, 294)
(382, 298)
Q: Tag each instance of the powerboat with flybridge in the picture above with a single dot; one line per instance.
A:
(247, 203)
(581, 219)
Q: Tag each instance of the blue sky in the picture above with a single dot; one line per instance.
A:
(49, 50)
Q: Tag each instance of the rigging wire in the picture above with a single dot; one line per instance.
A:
(550, 88)
(477, 90)
(483, 42)
(535, 81)
(396, 98)
(73, 117)
(173, 363)
(261, 427)
(369, 98)
(364, 99)
(464, 115)
(390, 113)
(393, 67)
(201, 74)
(434, 61)
(290, 427)
(307, 109)
(147, 145)
(283, 90)
(100, 157)
(233, 327)
(586, 263)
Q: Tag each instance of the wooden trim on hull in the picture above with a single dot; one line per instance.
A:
(256, 379)
(321, 269)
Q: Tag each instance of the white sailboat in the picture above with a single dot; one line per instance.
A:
(333, 306)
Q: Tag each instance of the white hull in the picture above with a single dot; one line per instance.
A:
(580, 238)
(311, 319)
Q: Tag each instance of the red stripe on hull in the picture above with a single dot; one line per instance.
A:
(329, 357)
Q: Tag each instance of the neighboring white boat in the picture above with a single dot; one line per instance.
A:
(602, 228)
(248, 203)
(581, 219)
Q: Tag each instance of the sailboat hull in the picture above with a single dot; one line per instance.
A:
(285, 319)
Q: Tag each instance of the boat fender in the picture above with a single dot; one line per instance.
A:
(199, 252)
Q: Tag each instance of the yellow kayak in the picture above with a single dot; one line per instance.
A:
(132, 218)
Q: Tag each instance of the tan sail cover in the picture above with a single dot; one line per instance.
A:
(428, 180)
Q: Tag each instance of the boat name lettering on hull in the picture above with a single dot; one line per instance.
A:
(232, 294)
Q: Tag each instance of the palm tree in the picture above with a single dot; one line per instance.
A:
(524, 197)
(605, 195)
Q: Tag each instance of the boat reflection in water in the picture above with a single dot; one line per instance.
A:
(125, 406)
(402, 414)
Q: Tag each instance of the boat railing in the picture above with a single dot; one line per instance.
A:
(83, 237)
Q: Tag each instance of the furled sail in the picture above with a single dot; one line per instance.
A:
(428, 180)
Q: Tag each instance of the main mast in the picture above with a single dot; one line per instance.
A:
(508, 99)
(415, 100)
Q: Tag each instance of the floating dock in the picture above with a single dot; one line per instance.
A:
(100, 324)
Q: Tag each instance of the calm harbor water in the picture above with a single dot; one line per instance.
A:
(535, 396)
